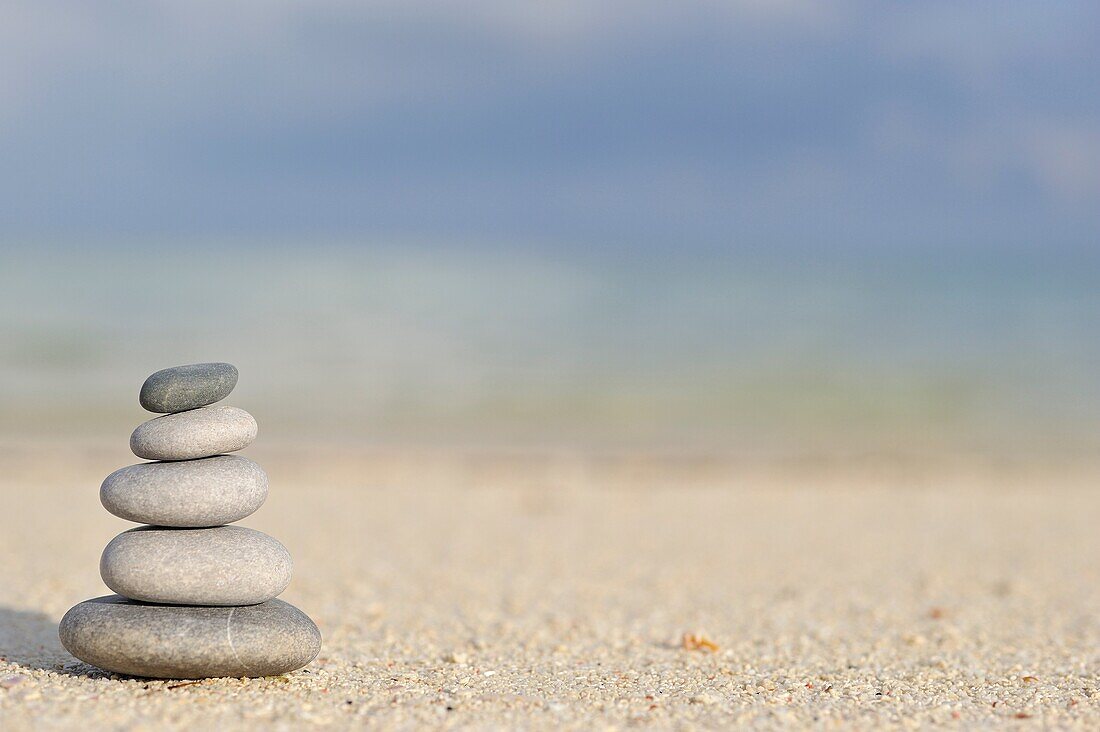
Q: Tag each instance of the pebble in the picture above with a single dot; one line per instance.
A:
(208, 492)
(173, 642)
(225, 565)
(197, 433)
(188, 387)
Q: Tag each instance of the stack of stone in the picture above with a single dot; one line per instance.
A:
(195, 595)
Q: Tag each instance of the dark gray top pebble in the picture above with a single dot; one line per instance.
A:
(187, 387)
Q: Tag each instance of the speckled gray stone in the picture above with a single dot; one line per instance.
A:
(187, 387)
(225, 565)
(173, 642)
(208, 492)
(194, 434)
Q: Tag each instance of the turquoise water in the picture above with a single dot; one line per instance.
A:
(794, 350)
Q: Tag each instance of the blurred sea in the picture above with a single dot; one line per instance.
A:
(794, 352)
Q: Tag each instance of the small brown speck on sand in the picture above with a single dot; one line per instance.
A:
(697, 642)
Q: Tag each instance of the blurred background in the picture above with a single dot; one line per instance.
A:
(740, 227)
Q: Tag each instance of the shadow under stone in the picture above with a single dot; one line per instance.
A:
(29, 639)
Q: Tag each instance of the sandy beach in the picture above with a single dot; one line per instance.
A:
(707, 365)
(474, 589)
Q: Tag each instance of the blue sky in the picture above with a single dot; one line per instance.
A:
(693, 125)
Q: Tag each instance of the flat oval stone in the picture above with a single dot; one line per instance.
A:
(225, 565)
(197, 433)
(187, 387)
(174, 642)
(207, 492)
